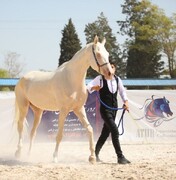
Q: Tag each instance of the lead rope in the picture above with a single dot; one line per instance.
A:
(121, 121)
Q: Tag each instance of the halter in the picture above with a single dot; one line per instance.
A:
(96, 60)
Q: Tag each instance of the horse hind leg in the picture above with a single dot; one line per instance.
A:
(81, 114)
(37, 118)
(20, 125)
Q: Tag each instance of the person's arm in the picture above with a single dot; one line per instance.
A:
(95, 88)
(95, 84)
(123, 94)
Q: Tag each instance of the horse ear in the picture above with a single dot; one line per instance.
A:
(96, 39)
(104, 41)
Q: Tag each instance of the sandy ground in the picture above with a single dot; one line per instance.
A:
(148, 161)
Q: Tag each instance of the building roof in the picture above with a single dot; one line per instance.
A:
(8, 81)
(149, 82)
(126, 82)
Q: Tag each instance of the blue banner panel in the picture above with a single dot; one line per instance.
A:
(73, 129)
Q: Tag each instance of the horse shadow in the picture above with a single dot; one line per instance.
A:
(110, 163)
(13, 162)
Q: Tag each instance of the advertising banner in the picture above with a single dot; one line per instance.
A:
(151, 119)
(73, 129)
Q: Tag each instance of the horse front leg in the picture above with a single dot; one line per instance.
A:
(81, 114)
(61, 120)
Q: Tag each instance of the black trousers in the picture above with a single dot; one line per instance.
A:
(109, 127)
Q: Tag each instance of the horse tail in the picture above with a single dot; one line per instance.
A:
(16, 118)
(15, 121)
(13, 132)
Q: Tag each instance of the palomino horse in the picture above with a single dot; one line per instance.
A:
(63, 90)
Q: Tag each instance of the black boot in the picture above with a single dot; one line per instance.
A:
(98, 159)
(97, 156)
(123, 160)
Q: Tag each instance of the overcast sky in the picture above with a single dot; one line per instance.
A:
(33, 28)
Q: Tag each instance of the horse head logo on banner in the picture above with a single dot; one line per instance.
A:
(156, 111)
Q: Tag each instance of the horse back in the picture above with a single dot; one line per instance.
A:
(50, 90)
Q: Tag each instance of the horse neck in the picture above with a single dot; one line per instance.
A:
(80, 63)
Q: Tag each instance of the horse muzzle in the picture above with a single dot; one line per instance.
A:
(169, 114)
(108, 75)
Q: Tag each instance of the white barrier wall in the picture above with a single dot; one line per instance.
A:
(158, 130)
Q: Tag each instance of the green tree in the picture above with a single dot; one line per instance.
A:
(4, 74)
(143, 47)
(167, 37)
(143, 63)
(101, 28)
(70, 43)
(13, 64)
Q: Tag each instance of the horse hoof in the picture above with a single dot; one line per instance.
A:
(29, 153)
(92, 159)
(17, 154)
(55, 160)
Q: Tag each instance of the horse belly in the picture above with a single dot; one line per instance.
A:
(43, 98)
(44, 102)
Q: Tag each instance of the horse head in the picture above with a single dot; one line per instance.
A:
(159, 107)
(155, 110)
(164, 106)
(100, 61)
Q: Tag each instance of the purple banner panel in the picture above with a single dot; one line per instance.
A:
(73, 129)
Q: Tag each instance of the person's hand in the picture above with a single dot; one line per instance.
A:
(126, 106)
(96, 88)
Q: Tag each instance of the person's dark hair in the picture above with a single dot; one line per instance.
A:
(112, 62)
